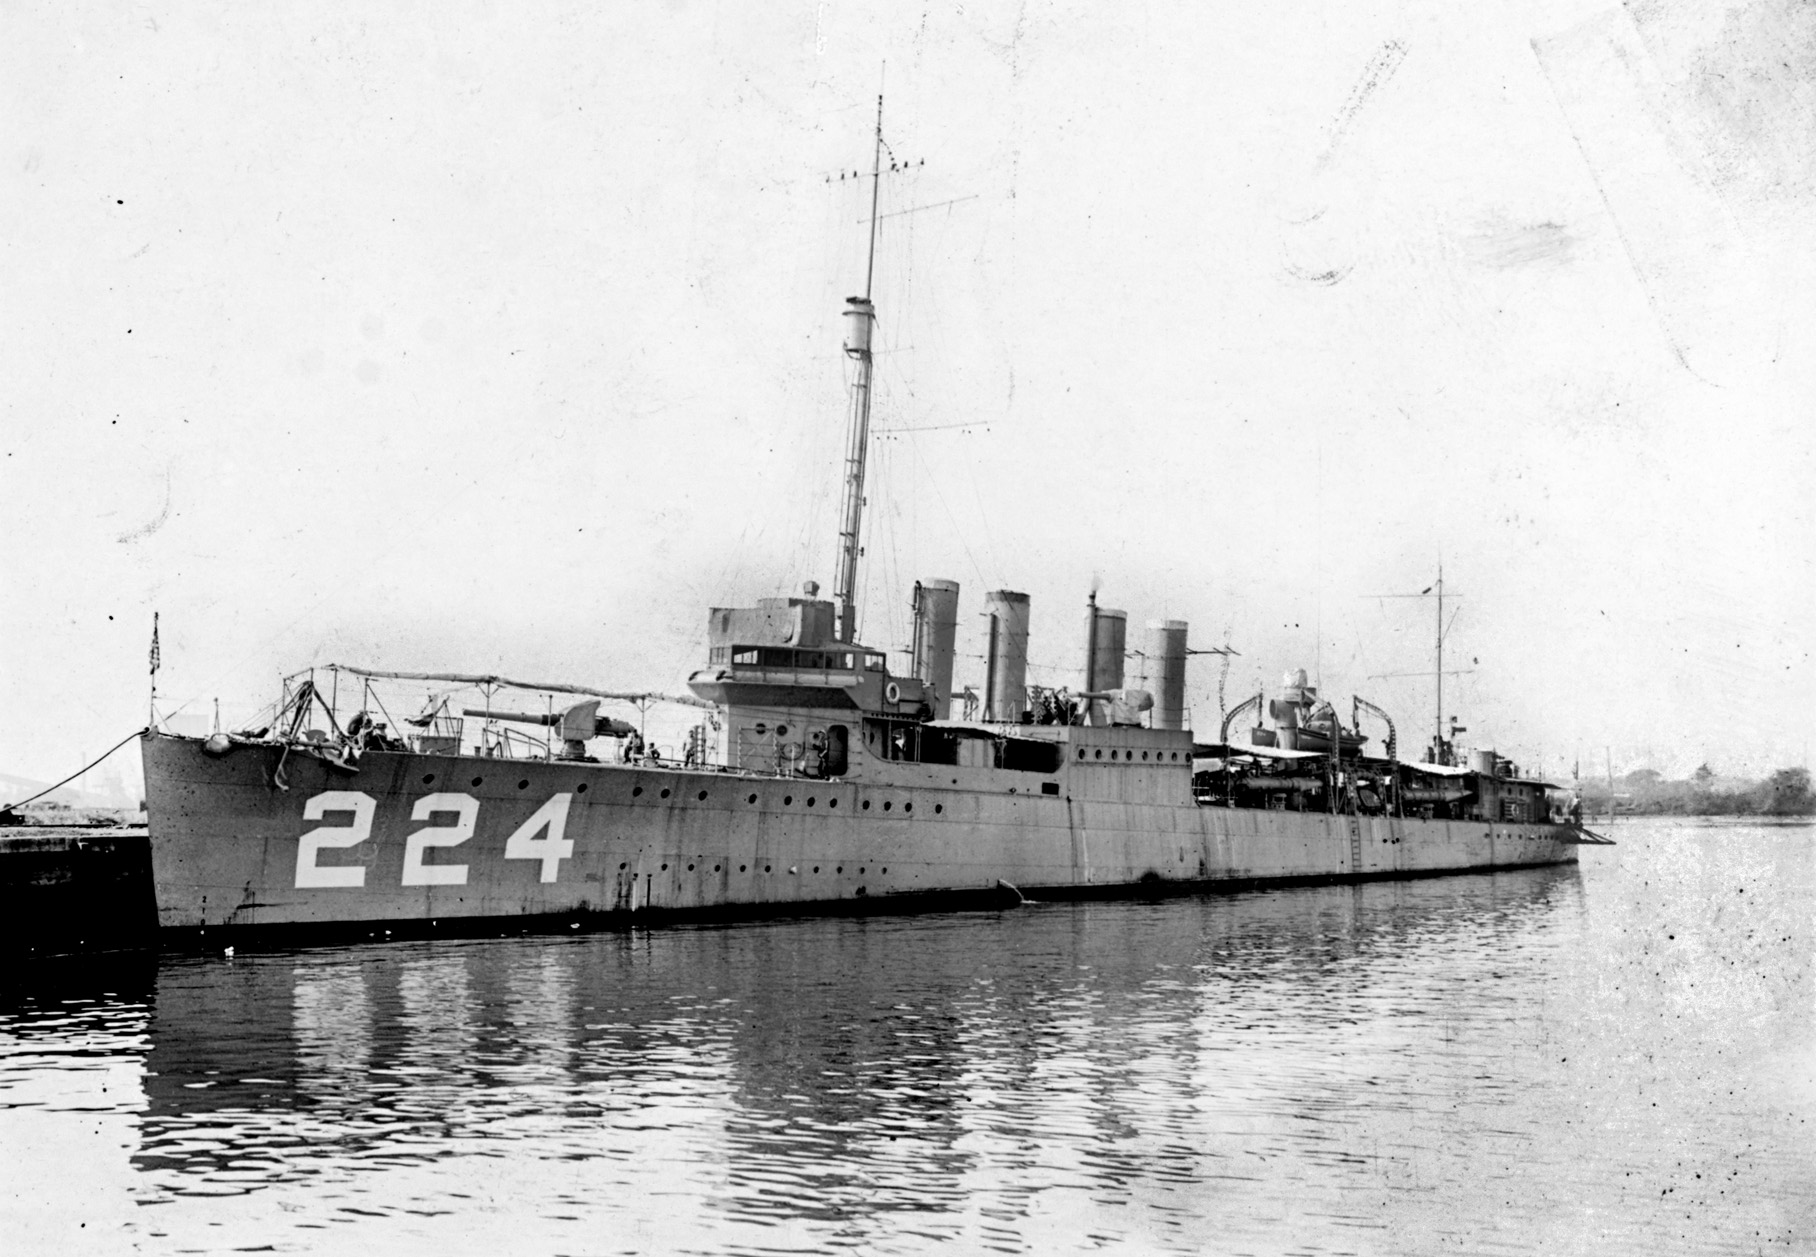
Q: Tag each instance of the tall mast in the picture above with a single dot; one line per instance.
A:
(1437, 746)
(862, 314)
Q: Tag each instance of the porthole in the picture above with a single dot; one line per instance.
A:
(741, 868)
(715, 868)
(832, 803)
(665, 792)
(840, 869)
(581, 788)
(665, 868)
(1144, 755)
(885, 870)
(866, 805)
(860, 868)
(887, 805)
(524, 784)
(907, 807)
(635, 791)
(622, 865)
(816, 868)
(690, 868)
(476, 782)
(781, 731)
(751, 799)
(787, 799)
(938, 808)
(762, 728)
(702, 796)
(1098, 754)
(810, 800)
(1081, 752)
(428, 779)
(766, 868)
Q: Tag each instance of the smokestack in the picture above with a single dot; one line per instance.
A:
(1006, 684)
(1166, 672)
(1106, 634)
(935, 623)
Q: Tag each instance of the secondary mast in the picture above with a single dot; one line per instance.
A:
(862, 314)
(1437, 738)
(1440, 751)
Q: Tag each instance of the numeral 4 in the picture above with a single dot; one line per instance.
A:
(552, 849)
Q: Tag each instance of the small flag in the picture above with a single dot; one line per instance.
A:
(154, 643)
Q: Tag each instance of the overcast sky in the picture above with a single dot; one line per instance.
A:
(506, 338)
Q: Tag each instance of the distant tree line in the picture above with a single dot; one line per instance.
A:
(1785, 793)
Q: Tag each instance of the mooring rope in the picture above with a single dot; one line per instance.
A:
(110, 750)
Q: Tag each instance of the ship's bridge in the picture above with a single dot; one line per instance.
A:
(782, 681)
(811, 678)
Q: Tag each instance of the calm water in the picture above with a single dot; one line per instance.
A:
(1619, 1057)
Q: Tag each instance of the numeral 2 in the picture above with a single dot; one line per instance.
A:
(308, 873)
(466, 813)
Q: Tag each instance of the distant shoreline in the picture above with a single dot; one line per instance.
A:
(1733, 818)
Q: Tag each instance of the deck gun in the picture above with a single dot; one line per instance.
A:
(573, 725)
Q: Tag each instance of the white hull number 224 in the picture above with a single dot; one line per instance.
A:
(538, 838)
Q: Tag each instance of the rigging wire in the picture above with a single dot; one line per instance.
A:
(110, 750)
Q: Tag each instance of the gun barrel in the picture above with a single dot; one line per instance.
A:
(600, 726)
(523, 717)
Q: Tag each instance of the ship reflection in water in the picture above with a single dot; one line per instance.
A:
(1384, 1067)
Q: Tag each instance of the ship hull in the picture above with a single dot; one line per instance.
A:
(417, 839)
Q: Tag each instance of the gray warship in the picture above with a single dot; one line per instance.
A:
(818, 780)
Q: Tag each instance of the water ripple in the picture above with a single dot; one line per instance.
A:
(1530, 1062)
